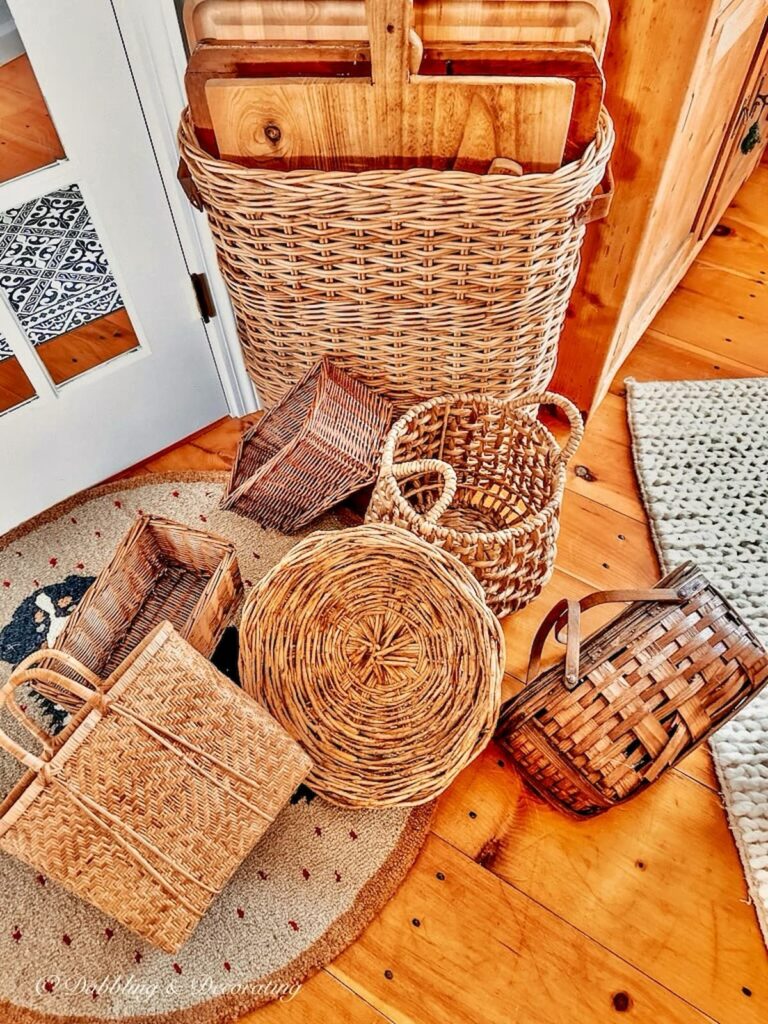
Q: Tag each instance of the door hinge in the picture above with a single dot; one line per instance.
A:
(204, 297)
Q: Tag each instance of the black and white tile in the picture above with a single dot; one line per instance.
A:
(53, 268)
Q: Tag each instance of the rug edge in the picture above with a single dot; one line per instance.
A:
(632, 385)
(338, 937)
(99, 490)
(726, 793)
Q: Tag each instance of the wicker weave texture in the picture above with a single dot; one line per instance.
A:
(483, 479)
(319, 444)
(156, 791)
(652, 685)
(160, 570)
(420, 282)
(378, 653)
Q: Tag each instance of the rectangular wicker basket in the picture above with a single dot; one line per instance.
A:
(319, 444)
(153, 795)
(636, 697)
(160, 570)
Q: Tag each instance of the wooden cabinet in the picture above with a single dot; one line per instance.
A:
(743, 146)
(687, 87)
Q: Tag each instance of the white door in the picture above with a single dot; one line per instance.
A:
(104, 357)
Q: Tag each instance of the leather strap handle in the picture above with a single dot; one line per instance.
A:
(599, 204)
(567, 613)
(191, 190)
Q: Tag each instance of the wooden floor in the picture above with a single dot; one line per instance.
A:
(513, 913)
(28, 138)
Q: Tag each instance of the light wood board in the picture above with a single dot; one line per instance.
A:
(532, 21)
(334, 124)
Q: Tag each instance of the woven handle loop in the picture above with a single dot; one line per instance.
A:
(567, 614)
(29, 671)
(419, 467)
(572, 414)
(599, 204)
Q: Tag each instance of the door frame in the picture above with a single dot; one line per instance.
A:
(157, 56)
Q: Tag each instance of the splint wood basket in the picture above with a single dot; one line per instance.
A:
(636, 697)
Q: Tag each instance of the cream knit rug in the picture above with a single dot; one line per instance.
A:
(701, 454)
(312, 884)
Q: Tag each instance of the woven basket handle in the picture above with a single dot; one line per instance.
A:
(419, 467)
(571, 412)
(567, 613)
(26, 672)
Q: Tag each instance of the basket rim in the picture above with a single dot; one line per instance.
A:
(376, 540)
(594, 155)
(435, 530)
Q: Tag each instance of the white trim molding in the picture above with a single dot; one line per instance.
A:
(155, 50)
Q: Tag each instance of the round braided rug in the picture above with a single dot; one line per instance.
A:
(313, 883)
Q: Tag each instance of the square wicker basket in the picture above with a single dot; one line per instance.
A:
(319, 444)
(160, 570)
(161, 784)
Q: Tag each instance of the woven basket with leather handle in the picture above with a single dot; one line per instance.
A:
(634, 698)
(378, 653)
(319, 444)
(421, 282)
(483, 479)
(160, 570)
(150, 798)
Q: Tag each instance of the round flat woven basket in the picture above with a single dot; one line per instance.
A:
(419, 282)
(483, 479)
(378, 653)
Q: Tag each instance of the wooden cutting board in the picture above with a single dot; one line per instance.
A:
(526, 105)
(436, 21)
(338, 124)
(333, 20)
(513, 21)
(216, 59)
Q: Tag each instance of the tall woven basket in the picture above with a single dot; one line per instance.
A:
(420, 282)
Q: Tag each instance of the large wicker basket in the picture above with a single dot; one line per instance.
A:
(483, 479)
(160, 570)
(378, 653)
(642, 692)
(154, 793)
(319, 444)
(421, 282)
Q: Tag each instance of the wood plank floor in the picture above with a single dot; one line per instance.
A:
(525, 916)
(28, 138)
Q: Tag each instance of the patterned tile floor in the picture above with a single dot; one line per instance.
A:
(53, 268)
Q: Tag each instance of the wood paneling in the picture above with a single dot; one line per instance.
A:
(675, 79)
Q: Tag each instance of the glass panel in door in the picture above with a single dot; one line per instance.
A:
(28, 136)
(56, 277)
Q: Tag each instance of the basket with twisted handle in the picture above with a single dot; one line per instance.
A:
(482, 478)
